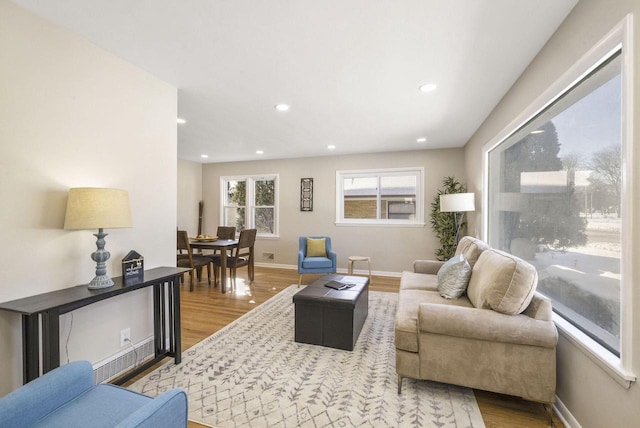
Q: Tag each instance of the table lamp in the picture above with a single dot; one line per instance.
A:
(457, 203)
(97, 208)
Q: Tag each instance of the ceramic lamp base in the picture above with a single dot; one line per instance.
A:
(100, 256)
(102, 281)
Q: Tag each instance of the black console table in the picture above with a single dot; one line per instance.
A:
(48, 307)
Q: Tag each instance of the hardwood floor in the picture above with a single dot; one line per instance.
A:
(205, 311)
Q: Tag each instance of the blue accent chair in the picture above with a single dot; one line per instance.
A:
(67, 397)
(315, 264)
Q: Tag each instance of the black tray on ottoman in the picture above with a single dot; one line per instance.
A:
(330, 317)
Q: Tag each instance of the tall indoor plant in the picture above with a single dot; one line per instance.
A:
(443, 224)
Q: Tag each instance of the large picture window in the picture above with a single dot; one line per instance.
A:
(250, 202)
(555, 199)
(389, 196)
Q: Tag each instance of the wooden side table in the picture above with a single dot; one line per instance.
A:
(353, 259)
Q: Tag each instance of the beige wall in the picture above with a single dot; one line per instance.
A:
(73, 115)
(591, 396)
(392, 249)
(189, 194)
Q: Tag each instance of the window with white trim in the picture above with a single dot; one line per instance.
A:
(250, 202)
(386, 196)
(555, 199)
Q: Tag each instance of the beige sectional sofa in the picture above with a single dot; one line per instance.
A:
(498, 337)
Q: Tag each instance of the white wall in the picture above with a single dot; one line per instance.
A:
(392, 249)
(189, 194)
(74, 115)
(592, 397)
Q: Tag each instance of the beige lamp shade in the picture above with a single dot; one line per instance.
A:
(457, 202)
(97, 208)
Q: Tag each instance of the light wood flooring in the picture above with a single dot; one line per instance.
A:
(206, 310)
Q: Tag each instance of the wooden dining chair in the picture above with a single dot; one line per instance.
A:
(223, 232)
(186, 258)
(242, 255)
(226, 232)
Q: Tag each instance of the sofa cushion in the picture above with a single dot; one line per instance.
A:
(406, 323)
(502, 282)
(316, 263)
(418, 281)
(471, 248)
(453, 277)
(316, 247)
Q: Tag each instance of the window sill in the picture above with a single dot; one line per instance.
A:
(377, 224)
(596, 353)
(267, 237)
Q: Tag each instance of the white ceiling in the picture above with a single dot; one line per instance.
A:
(350, 69)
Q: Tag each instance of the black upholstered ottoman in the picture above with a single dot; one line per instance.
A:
(330, 317)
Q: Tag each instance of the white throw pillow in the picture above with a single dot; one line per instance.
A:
(453, 277)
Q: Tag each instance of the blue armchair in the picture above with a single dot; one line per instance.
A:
(66, 397)
(316, 261)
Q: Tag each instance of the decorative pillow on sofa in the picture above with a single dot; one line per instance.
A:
(502, 282)
(453, 277)
(471, 248)
(316, 247)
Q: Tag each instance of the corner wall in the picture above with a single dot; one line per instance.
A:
(189, 194)
(74, 115)
(590, 395)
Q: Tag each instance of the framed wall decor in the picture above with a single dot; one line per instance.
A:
(306, 194)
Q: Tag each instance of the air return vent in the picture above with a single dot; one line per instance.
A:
(123, 361)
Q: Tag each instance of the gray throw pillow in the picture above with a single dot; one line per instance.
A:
(453, 277)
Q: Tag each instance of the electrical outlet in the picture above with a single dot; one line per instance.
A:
(125, 337)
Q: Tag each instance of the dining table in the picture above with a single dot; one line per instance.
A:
(223, 245)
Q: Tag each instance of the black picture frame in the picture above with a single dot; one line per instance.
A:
(306, 194)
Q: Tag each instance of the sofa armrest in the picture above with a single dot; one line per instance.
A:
(427, 266)
(486, 324)
(43, 395)
(331, 255)
(166, 410)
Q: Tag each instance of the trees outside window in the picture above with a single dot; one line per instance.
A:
(250, 202)
(554, 193)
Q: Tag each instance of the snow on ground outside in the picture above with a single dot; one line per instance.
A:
(594, 267)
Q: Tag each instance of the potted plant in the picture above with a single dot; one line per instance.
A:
(443, 224)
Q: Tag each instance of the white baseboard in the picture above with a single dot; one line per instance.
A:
(565, 415)
(362, 272)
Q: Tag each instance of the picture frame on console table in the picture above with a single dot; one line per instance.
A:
(132, 268)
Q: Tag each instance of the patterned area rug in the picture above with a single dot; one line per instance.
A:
(253, 374)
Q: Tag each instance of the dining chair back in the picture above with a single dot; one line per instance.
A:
(226, 232)
(186, 258)
(242, 255)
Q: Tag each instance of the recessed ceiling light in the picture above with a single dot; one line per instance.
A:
(181, 121)
(282, 107)
(204, 156)
(259, 152)
(427, 87)
(538, 131)
(421, 140)
(331, 147)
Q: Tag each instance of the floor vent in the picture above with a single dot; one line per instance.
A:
(123, 361)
